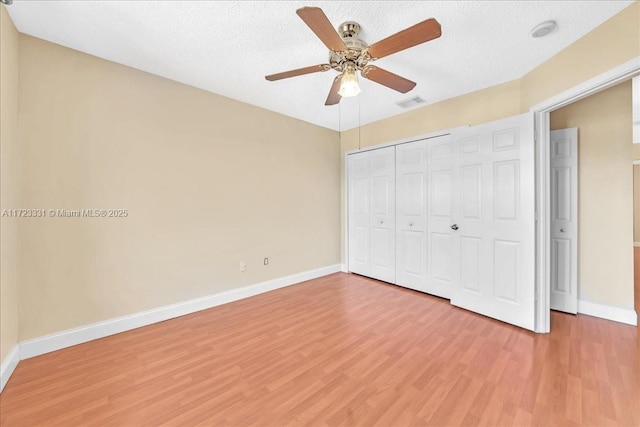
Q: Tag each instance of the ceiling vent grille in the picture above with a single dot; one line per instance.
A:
(409, 103)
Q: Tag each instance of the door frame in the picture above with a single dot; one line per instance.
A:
(541, 112)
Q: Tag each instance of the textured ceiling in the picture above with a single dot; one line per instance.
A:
(228, 47)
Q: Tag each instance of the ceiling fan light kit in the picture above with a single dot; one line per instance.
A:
(348, 54)
(349, 82)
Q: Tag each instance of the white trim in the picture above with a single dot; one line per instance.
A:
(541, 112)
(635, 109)
(636, 244)
(343, 268)
(543, 220)
(57, 341)
(596, 84)
(345, 212)
(622, 315)
(8, 365)
(636, 162)
(405, 140)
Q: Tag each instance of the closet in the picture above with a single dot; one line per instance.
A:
(372, 212)
(400, 214)
(452, 216)
(423, 195)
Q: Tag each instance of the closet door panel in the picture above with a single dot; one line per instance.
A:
(411, 210)
(439, 210)
(382, 218)
(359, 213)
(495, 239)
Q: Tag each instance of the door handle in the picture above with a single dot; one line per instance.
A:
(410, 224)
(454, 227)
(562, 230)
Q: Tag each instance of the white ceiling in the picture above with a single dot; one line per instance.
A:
(228, 47)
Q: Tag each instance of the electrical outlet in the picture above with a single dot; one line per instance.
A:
(266, 261)
(243, 266)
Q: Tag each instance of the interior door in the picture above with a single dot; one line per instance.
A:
(411, 215)
(382, 220)
(359, 212)
(564, 220)
(440, 209)
(493, 220)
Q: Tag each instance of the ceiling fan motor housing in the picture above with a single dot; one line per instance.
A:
(356, 49)
(348, 29)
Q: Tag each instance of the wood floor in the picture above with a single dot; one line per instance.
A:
(339, 350)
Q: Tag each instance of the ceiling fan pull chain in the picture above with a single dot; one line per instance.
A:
(359, 125)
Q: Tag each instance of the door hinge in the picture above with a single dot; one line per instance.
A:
(536, 216)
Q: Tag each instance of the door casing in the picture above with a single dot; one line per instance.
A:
(541, 114)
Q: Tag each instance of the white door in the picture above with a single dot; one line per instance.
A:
(439, 211)
(564, 220)
(359, 212)
(382, 221)
(494, 243)
(411, 215)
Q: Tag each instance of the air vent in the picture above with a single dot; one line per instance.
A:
(412, 102)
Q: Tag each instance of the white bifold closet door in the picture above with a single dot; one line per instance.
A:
(451, 216)
(440, 209)
(372, 187)
(411, 215)
(359, 213)
(424, 206)
(494, 241)
(564, 220)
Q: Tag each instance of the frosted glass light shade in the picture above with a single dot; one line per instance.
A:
(349, 84)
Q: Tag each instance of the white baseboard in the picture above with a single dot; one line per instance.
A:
(57, 341)
(636, 244)
(8, 365)
(343, 268)
(622, 315)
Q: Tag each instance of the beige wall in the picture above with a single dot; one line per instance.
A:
(9, 186)
(469, 109)
(605, 194)
(207, 181)
(609, 45)
(614, 42)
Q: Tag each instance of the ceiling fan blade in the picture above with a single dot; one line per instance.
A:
(409, 37)
(334, 97)
(298, 72)
(387, 79)
(315, 18)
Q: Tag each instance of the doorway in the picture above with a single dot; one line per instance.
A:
(605, 261)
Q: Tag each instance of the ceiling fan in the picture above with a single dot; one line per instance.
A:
(348, 54)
